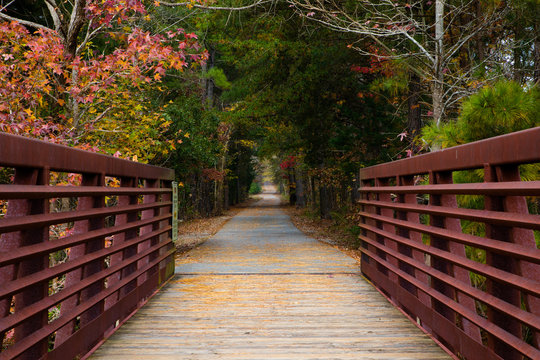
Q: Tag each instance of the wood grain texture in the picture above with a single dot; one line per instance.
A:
(260, 289)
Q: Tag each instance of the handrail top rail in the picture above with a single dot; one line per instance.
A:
(518, 147)
(19, 151)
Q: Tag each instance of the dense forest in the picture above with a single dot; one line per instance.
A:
(310, 90)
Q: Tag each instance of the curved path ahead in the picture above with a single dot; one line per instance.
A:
(260, 289)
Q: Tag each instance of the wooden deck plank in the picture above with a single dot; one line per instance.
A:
(260, 289)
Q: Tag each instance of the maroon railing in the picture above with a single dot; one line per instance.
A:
(469, 275)
(76, 261)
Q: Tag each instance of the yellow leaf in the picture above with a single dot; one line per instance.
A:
(186, 135)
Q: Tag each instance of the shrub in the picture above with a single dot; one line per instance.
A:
(255, 188)
(495, 110)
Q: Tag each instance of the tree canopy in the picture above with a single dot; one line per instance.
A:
(211, 89)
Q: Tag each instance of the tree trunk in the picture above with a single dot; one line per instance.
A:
(537, 51)
(324, 198)
(225, 194)
(355, 186)
(74, 105)
(517, 75)
(237, 200)
(209, 83)
(324, 202)
(220, 188)
(300, 196)
(437, 88)
(313, 194)
(414, 119)
(292, 187)
(437, 94)
(76, 22)
(480, 46)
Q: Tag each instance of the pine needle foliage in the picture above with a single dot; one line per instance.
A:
(495, 110)
(506, 107)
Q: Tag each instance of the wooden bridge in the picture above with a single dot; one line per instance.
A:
(260, 289)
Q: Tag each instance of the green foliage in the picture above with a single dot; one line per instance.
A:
(495, 110)
(218, 77)
(304, 98)
(195, 132)
(470, 201)
(5, 175)
(478, 255)
(443, 136)
(392, 85)
(503, 108)
(255, 188)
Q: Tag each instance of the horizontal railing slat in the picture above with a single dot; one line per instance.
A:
(505, 149)
(8, 192)
(492, 217)
(527, 285)
(525, 317)
(476, 319)
(42, 333)
(511, 188)
(25, 252)
(33, 221)
(496, 246)
(14, 286)
(30, 271)
(15, 319)
(17, 151)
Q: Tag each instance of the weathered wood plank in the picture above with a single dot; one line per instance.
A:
(262, 290)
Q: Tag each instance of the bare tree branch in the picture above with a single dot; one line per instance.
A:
(6, 6)
(53, 11)
(430, 43)
(226, 8)
(24, 22)
(76, 22)
(89, 35)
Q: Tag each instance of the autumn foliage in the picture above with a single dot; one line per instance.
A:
(288, 163)
(73, 92)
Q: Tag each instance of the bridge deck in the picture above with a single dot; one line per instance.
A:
(260, 289)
